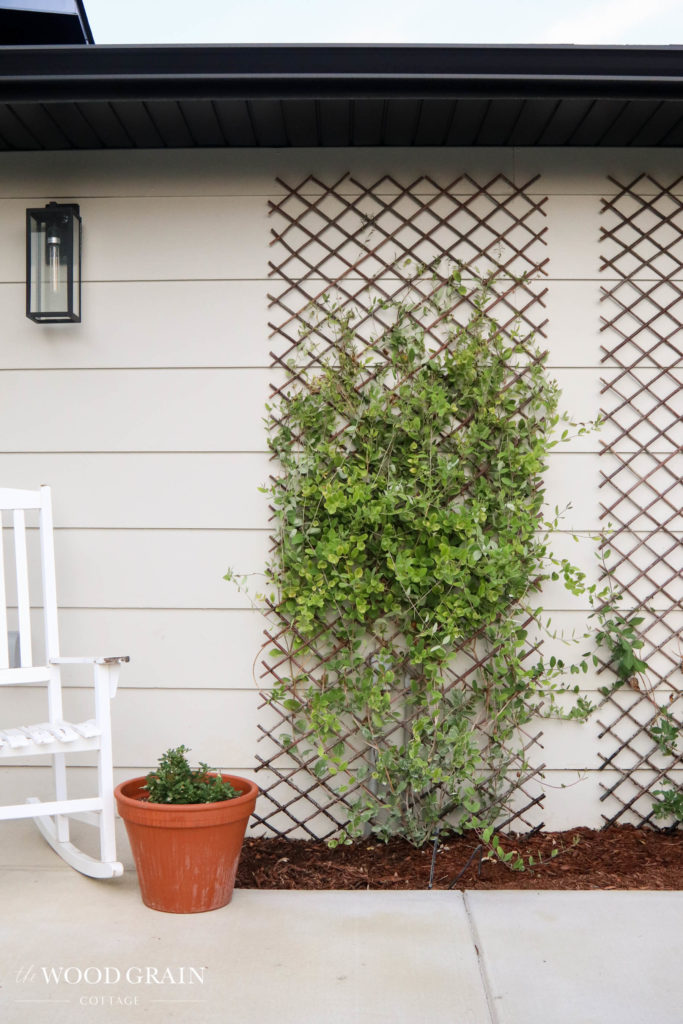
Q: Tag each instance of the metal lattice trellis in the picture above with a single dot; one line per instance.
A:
(353, 240)
(642, 477)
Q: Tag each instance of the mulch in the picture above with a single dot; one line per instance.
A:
(619, 857)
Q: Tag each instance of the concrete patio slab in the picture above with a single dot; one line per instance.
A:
(580, 957)
(74, 949)
(22, 846)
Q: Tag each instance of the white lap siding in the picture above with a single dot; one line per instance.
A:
(147, 418)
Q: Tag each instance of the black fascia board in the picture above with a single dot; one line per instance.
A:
(79, 73)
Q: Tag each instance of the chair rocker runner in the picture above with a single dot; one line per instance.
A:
(54, 736)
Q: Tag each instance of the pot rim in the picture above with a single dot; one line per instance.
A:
(249, 792)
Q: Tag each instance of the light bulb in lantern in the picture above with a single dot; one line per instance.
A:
(53, 241)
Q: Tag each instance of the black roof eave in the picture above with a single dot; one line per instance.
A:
(130, 97)
(72, 73)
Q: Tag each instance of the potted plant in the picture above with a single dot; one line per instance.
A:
(186, 827)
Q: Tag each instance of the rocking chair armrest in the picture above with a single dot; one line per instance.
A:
(117, 660)
(106, 669)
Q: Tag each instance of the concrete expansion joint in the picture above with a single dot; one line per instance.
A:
(476, 942)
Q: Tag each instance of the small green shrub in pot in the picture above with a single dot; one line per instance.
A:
(174, 782)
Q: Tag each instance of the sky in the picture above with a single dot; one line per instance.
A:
(587, 22)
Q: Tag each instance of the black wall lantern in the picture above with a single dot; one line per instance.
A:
(53, 264)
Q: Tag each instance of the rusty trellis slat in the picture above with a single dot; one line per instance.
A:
(642, 477)
(355, 240)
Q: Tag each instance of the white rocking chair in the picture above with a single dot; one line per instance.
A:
(54, 736)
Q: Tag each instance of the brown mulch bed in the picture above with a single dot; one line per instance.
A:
(620, 857)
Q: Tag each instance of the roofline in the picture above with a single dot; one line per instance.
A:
(42, 24)
(62, 73)
(85, 24)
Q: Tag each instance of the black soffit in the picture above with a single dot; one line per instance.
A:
(128, 97)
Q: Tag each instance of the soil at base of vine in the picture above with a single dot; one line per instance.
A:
(618, 857)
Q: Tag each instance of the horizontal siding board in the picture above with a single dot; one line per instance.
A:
(223, 324)
(573, 248)
(207, 648)
(144, 324)
(578, 171)
(189, 410)
(572, 798)
(224, 172)
(204, 648)
(152, 568)
(554, 597)
(213, 410)
(187, 649)
(156, 238)
(129, 410)
(221, 726)
(185, 569)
(221, 491)
(227, 239)
(153, 491)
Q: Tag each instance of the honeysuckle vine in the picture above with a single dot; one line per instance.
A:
(412, 542)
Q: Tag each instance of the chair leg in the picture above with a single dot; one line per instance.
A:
(74, 857)
(105, 774)
(61, 793)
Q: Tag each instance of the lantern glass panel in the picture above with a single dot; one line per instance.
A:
(54, 272)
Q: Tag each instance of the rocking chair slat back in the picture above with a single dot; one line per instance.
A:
(23, 598)
(4, 635)
(49, 579)
(54, 736)
(19, 503)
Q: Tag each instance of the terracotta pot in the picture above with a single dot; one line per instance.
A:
(186, 855)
